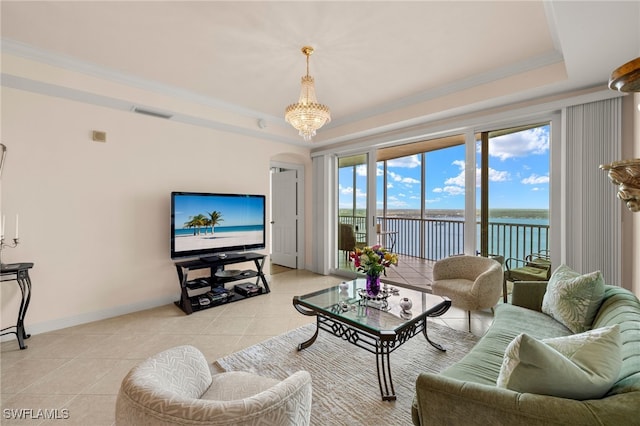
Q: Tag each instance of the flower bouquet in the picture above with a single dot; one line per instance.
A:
(373, 261)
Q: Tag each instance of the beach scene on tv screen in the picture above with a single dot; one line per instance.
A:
(204, 222)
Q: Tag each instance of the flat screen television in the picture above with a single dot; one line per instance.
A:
(207, 224)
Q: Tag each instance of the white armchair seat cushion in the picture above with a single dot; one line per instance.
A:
(458, 290)
(237, 385)
(175, 387)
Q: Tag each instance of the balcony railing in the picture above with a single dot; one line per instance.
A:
(435, 239)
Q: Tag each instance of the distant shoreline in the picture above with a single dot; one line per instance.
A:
(452, 213)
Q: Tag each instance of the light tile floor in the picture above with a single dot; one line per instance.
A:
(410, 271)
(79, 369)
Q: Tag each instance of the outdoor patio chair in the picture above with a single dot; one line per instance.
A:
(347, 239)
(534, 267)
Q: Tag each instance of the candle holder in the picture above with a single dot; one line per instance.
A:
(16, 241)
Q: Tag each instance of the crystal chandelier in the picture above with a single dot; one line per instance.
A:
(307, 115)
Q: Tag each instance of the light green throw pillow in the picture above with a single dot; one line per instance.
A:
(581, 366)
(573, 299)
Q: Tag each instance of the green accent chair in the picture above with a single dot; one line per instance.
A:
(534, 267)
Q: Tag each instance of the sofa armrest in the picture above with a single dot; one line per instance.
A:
(442, 400)
(528, 294)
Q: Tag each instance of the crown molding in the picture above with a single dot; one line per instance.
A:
(47, 89)
(27, 51)
(541, 61)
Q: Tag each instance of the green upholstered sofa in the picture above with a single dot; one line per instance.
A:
(466, 392)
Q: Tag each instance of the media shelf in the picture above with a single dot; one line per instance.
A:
(223, 285)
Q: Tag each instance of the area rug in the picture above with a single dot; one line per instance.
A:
(345, 382)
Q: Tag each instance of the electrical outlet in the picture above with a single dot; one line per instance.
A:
(99, 136)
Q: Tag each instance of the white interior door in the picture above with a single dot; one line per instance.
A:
(284, 218)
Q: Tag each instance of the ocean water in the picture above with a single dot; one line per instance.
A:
(512, 232)
(218, 229)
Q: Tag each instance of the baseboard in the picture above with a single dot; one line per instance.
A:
(87, 317)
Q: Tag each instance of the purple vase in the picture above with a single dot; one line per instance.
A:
(373, 285)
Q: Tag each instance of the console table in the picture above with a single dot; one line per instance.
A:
(18, 272)
(211, 290)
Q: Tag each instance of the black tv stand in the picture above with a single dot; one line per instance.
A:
(222, 256)
(209, 259)
(216, 289)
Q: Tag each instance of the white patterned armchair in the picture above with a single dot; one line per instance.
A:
(471, 282)
(175, 387)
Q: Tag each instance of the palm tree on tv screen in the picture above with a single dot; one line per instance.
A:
(196, 223)
(215, 219)
(206, 223)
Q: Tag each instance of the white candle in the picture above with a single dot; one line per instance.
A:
(2, 231)
(16, 226)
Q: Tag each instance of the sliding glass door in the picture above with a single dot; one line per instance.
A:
(512, 197)
(421, 209)
(352, 230)
(421, 197)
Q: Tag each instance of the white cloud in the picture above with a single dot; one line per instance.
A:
(346, 190)
(520, 144)
(394, 202)
(456, 180)
(453, 190)
(494, 176)
(535, 180)
(361, 170)
(398, 178)
(450, 190)
(410, 181)
(394, 176)
(410, 162)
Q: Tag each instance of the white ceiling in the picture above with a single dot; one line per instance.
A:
(377, 65)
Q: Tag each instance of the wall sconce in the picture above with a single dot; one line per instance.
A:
(626, 173)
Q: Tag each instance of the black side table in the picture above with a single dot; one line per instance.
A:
(18, 272)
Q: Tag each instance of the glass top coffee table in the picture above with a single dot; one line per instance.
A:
(377, 324)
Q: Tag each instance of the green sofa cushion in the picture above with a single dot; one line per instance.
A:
(572, 298)
(581, 366)
(527, 273)
(483, 363)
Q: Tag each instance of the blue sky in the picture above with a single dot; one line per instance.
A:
(518, 175)
(236, 210)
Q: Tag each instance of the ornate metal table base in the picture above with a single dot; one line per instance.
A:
(18, 272)
(381, 345)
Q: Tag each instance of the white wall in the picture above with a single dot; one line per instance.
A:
(94, 217)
